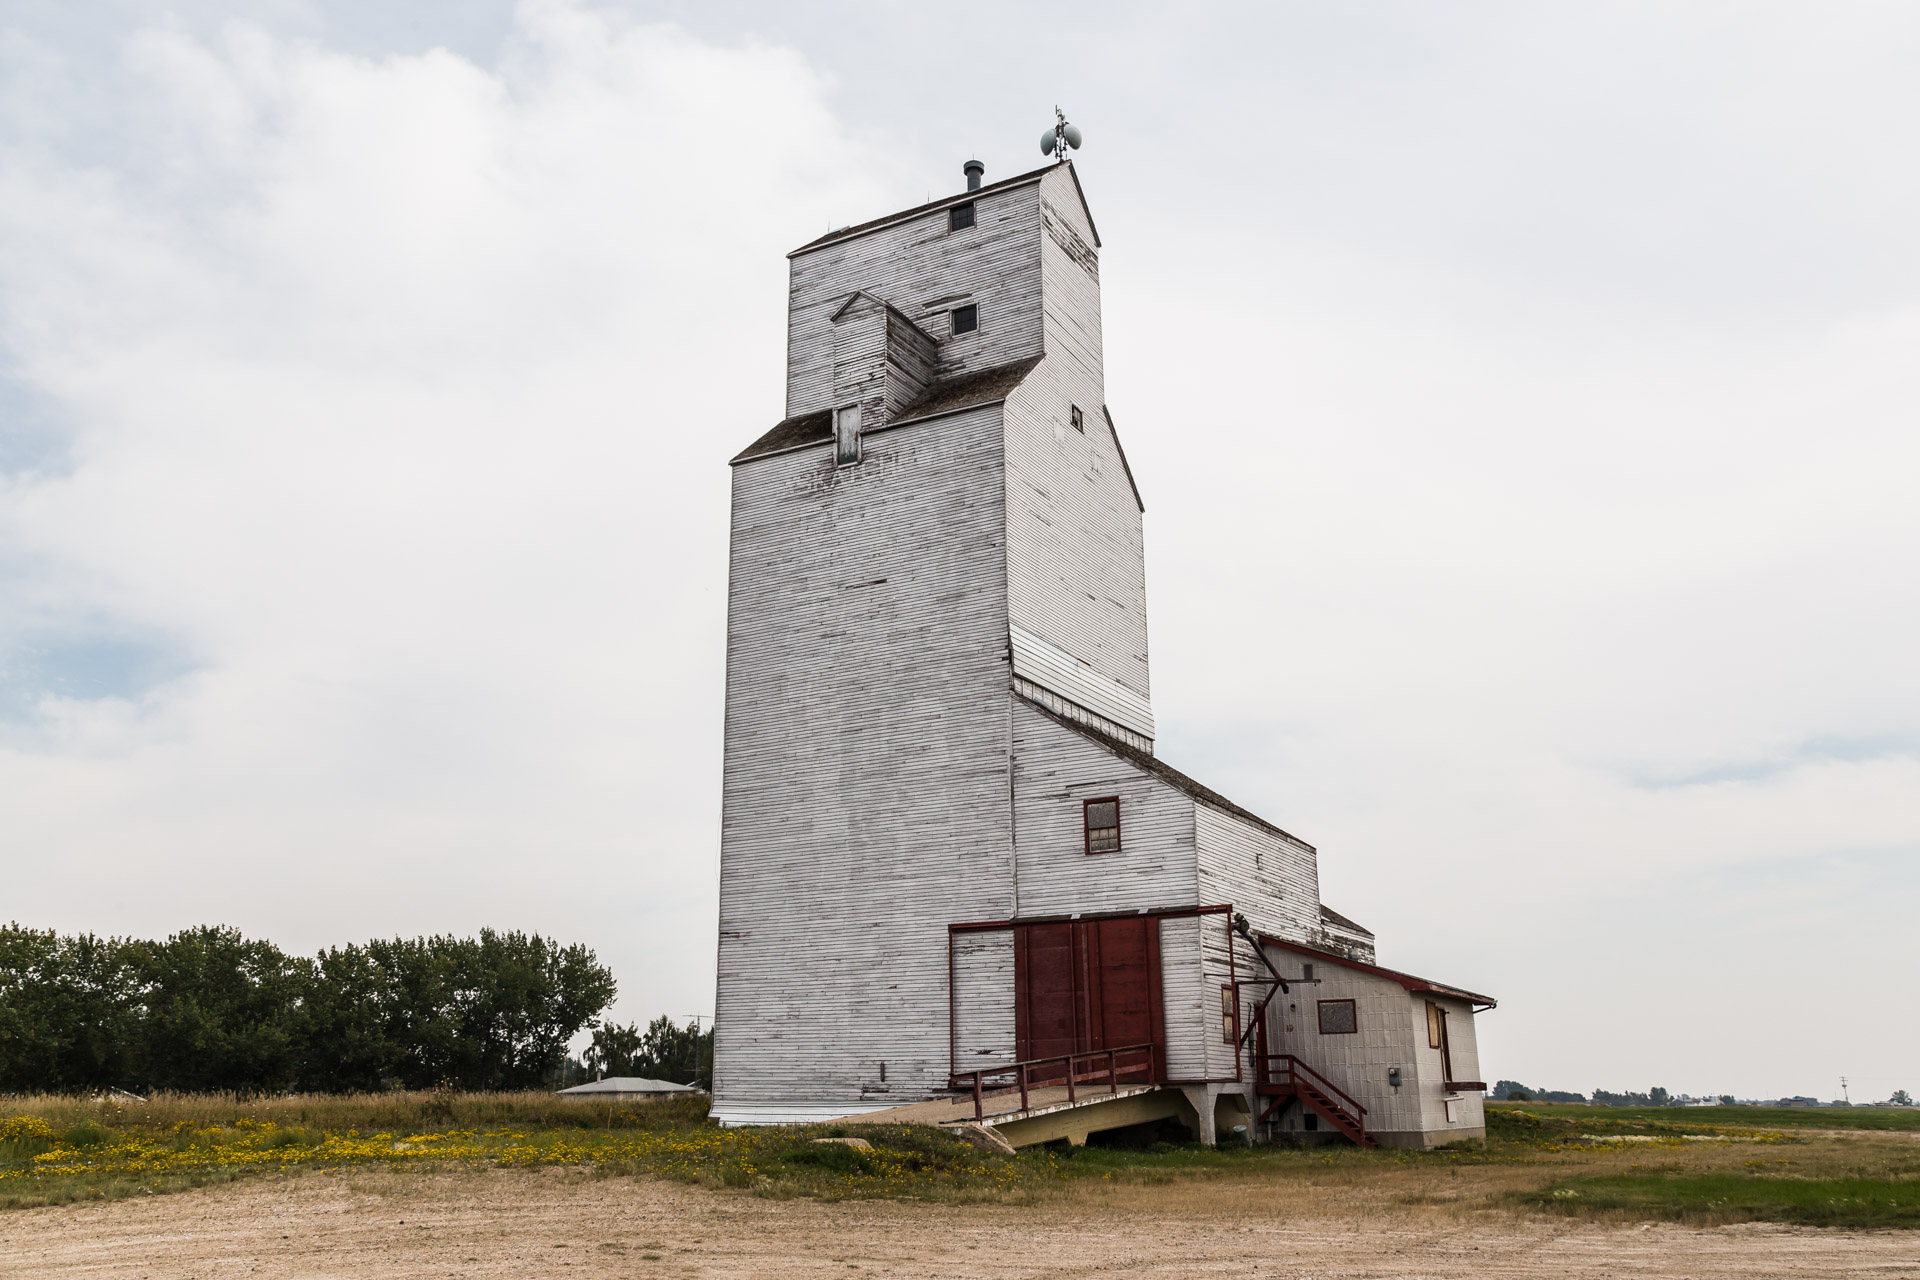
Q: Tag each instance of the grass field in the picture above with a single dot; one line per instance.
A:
(1698, 1165)
(1890, 1119)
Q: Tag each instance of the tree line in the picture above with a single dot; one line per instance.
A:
(663, 1051)
(210, 1010)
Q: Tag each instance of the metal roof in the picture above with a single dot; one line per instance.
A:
(628, 1084)
(1407, 980)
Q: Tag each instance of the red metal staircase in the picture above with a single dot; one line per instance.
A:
(1283, 1077)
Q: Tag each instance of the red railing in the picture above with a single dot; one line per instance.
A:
(1071, 1069)
(1293, 1072)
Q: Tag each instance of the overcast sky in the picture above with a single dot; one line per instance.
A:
(1523, 396)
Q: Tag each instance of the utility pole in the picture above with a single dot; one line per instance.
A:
(1843, 1091)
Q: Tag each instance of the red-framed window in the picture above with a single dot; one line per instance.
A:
(1102, 818)
(1339, 1018)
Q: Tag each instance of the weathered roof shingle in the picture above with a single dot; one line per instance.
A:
(968, 391)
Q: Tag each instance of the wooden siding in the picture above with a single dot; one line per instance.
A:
(1075, 551)
(1055, 770)
(1078, 714)
(983, 1013)
(1392, 1033)
(1274, 881)
(882, 777)
(1188, 1008)
(1077, 681)
(865, 800)
(1336, 937)
(924, 270)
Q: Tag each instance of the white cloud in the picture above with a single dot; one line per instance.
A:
(399, 392)
(1523, 405)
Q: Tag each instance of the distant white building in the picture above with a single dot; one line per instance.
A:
(616, 1088)
(947, 843)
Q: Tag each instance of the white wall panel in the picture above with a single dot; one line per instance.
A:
(924, 270)
(865, 800)
(983, 974)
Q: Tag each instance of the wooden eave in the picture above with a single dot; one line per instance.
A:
(1331, 916)
(1165, 772)
(1085, 208)
(947, 202)
(1117, 448)
(968, 391)
(1408, 981)
(884, 305)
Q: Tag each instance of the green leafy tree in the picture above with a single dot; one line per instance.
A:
(493, 1012)
(683, 1055)
(210, 1010)
(614, 1050)
(1901, 1098)
(69, 1015)
(348, 1046)
(221, 1012)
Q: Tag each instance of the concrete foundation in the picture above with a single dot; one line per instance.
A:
(1424, 1139)
(1076, 1123)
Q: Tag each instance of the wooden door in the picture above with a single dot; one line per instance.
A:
(1047, 1018)
(1086, 985)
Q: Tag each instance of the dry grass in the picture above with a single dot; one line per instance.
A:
(413, 1111)
(1615, 1167)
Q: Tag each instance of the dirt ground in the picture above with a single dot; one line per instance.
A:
(561, 1224)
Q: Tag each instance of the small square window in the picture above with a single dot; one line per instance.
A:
(1103, 825)
(966, 319)
(1079, 420)
(1337, 1018)
(960, 217)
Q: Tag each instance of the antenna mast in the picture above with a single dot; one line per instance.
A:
(1055, 141)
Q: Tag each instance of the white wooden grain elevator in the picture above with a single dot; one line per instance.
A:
(947, 844)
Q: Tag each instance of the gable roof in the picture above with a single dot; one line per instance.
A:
(1165, 772)
(1408, 981)
(1114, 431)
(1329, 916)
(874, 224)
(967, 391)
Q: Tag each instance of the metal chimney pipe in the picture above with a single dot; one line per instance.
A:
(974, 171)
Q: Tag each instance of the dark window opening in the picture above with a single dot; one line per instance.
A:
(1338, 1018)
(960, 217)
(966, 319)
(1103, 825)
(1306, 973)
(1310, 1121)
(1079, 420)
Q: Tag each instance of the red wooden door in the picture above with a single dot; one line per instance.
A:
(1085, 985)
(1047, 1017)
